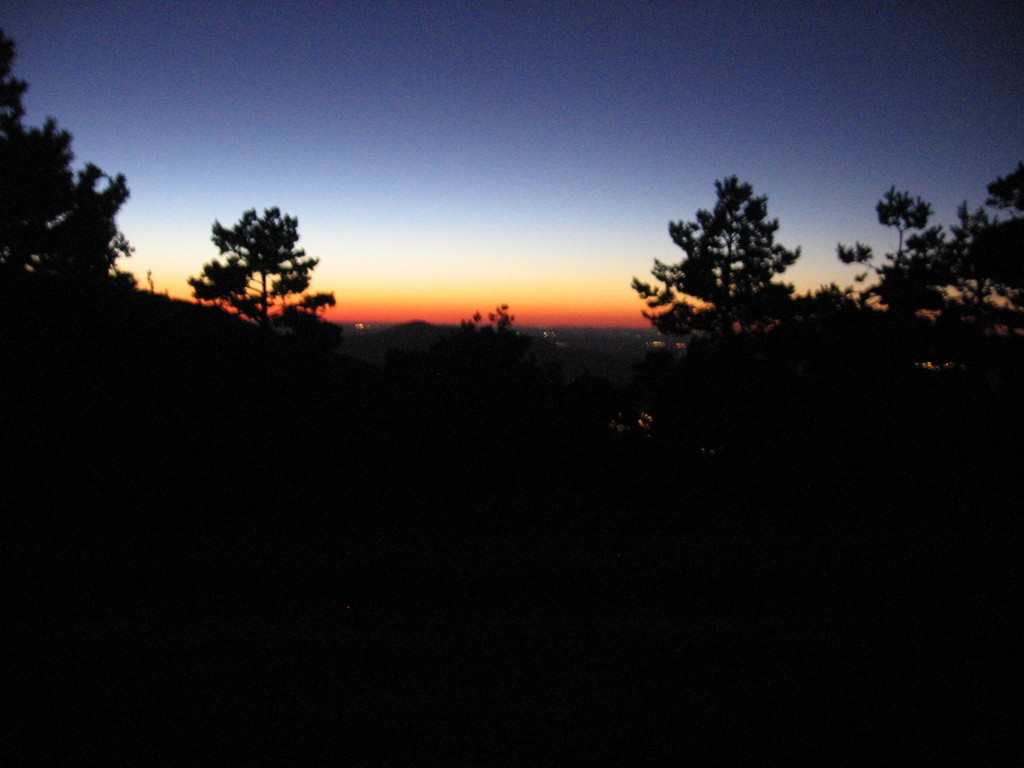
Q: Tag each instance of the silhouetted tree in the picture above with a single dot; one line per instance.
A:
(479, 351)
(53, 220)
(978, 272)
(730, 262)
(501, 318)
(264, 276)
(909, 280)
(828, 301)
(993, 249)
(972, 278)
(1007, 192)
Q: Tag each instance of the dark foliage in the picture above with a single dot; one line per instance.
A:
(456, 555)
(54, 220)
(977, 274)
(909, 279)
(1007, 192)
(264, 276)
(729, 268)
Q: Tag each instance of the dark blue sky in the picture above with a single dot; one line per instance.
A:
(447, 156)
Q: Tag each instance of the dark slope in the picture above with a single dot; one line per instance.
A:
(219, 548)
(606, 354)
(373, 346)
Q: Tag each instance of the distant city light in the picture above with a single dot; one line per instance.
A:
(929, 365)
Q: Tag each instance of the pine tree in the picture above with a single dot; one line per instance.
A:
(725, 280)
(264, 276)
(977, 273)
(53, 220)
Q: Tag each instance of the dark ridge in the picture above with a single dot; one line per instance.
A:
(373, 345)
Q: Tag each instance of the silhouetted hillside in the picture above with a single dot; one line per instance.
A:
(602, 353)
(208, 530)
(373, 345)
(605, 354)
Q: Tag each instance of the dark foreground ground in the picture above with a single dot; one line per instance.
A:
(218, 554)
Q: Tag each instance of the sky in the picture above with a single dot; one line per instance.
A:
(444, 157)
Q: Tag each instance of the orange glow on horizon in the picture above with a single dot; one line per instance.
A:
(529, 310)
(526, 313)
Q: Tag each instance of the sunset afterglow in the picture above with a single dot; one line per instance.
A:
(444, 158)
